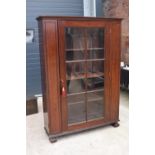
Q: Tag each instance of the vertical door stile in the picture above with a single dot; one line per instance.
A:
(75, 70)
(59, 67)
(62, 75)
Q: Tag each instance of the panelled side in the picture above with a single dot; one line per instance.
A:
(51, 71)
(44, 80)
(115, 50)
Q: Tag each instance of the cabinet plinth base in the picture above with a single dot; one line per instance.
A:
(116, 124)
(54, 137)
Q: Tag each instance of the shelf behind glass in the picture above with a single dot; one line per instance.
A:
(75, 76)
(87, 60)
(91, 97)
(84, 92)
(78, 55)
(82, 49)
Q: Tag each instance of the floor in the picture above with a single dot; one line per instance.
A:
(102, 141)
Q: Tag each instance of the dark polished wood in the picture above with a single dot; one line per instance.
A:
(115, 48)
(54, 80)
(50, 75)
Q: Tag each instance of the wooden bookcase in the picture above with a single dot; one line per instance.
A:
(80, 64)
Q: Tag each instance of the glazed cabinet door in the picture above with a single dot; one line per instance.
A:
(84, 74)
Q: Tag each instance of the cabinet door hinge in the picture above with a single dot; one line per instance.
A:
(62, 87)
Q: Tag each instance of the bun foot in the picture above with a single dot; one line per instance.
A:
(53, 140)
(116, 124)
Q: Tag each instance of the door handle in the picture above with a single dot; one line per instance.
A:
(63, 91)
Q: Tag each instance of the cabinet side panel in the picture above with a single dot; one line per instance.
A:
(115, 49)
(44, 84)
(52, 57)
(50, 75)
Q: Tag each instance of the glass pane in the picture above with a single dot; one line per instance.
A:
(74, 39)
(95, 54)
(95, 66)
(75, 75)
(74, 44)
(95, 73)
(95, 38)
(84, 54)
(75, 70)
(75, 86)
(95, 43)
(74, 55)
(94, 84)
(76, 108)
(95, 105)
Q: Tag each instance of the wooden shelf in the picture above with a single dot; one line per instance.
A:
(77, 49)
(91, 91)
(89, 120)
(89, 100)
(82, 49)
(92, 117)
(96, 48)
(86, 60)
(84, 75)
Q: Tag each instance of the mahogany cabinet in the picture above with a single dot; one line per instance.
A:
(80, 66)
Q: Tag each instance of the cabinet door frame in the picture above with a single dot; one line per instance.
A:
(63, 101)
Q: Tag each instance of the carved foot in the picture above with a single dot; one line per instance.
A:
(116, 124)
(53, 139)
